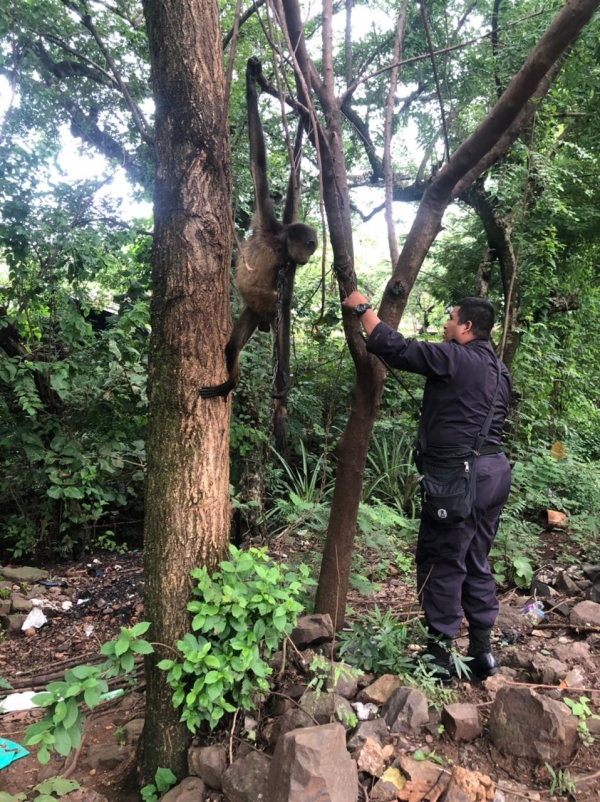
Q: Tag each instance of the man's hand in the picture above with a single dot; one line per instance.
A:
(353, 300)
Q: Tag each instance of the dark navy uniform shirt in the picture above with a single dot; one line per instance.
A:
(461, 380)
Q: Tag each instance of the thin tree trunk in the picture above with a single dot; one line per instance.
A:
(464, 166)
(187, 499)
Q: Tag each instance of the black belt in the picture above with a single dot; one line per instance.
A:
(490, 448)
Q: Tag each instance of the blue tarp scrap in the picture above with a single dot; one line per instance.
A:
(9, 752)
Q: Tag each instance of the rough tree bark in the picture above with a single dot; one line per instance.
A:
(492, 138)
(187, 500)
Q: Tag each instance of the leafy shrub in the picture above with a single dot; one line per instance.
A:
(241, 613)
(378, 643)
(62, 726)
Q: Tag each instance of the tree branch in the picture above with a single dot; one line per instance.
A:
(245, 16)
(435, 76)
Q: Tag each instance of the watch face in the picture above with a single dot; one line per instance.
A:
(362, 308)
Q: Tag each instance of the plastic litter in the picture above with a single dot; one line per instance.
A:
(66, 605)
(88, 629)
(365, 712)
(18, 701)
(534, 611)
(82, 601)
(112, 694)
(9, 752)
(36, 617)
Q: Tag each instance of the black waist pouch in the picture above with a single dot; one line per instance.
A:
(448, 482)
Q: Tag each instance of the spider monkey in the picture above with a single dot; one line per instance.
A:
(267, 264)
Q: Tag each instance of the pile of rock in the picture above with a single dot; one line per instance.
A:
(317, 751)
(18, 586)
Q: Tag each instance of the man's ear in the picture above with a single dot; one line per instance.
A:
(468, 326)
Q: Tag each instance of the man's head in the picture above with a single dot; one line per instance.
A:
(471, 319)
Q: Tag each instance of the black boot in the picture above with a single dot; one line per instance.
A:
(437, 654)
(483, 664)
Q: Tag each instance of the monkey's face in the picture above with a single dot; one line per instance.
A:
(301, 242)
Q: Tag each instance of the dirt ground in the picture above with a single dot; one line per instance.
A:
(113, 587)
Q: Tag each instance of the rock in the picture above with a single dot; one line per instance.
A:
(593, 592)
(515, 657)
(325, 706)
(312, 630)
(565, 584)
(19, 604)
(107, 757)
(246, 779)
(386, 790)
(510, 620)
(575, 678)
(133, 730)
(4, 607)
(375, 730)
(293, 719)
(548, 670)
(209, 763)
(542, 590)
(27, 575)
(591, 572)
(563, 609)
(469, 786)
(85, 795)
(313, 763)
(461, 722)
(189, 790)
(425, 771)
(370, 758)
(13, 623)
(586, 613)
(342, 679)
(406, 710)
(527, 724)
(380, 691)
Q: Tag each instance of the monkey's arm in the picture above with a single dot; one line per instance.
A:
(258, 153)
(244, 328)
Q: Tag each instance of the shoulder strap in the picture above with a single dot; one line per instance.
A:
(482, 436)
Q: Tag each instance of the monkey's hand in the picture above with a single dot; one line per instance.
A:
(253, 67)
(217, 390)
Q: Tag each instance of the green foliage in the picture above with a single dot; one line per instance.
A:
(84, 685)
(391, 474)
(163, 780)
(581, 709)
(378, 643)
(240, 614)
(561, 782)
(47, 791)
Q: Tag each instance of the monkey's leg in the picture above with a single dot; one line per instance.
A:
(281, 354)
(244, 328)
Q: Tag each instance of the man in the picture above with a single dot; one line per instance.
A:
(453, 573)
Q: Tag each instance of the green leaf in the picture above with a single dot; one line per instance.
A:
(141, 647)
(121, 646)
(139, 629)
(166, 665)
(62, 741)
(43, 755)
(91, 696)
(57, 785)
(164, 779)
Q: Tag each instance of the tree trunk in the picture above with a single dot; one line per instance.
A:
(187, 489)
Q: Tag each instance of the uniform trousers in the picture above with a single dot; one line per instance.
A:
(453, 572)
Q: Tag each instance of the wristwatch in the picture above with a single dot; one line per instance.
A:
(362, 308)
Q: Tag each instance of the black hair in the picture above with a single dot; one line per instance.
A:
(481, 314)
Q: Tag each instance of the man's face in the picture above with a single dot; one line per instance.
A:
(453, 330)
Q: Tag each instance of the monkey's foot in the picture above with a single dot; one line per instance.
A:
(217, 390)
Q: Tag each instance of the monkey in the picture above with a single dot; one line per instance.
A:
(266, 265)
